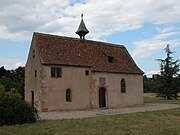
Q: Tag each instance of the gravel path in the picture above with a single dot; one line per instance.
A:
(95, 112)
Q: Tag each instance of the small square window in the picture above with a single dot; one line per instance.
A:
(86, 72)
(110, 59)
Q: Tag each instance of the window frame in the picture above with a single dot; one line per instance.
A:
(35, 73)
(56, 72)
(123, 85)
(68, 95)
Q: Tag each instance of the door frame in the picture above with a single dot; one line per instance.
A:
(102, 97)
(32, 98)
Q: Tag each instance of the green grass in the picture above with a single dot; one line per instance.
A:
(165, 122)
(152, 98)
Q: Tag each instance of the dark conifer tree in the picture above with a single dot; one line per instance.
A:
(169, 73)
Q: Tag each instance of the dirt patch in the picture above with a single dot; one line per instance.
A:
(96, 112)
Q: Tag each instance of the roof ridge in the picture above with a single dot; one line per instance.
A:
(105, 43)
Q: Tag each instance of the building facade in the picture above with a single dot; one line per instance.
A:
(65, 73)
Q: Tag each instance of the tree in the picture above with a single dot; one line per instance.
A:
(3, 71)
(13, 79)
(18, 77)
(2, 90)
(168, 80)
(150, 84)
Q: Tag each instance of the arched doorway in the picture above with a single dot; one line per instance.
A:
(102, 97)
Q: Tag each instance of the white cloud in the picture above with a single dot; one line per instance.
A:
(158, 42)
(147, 47)
(152, 72)
(20, 18)
(166, 29)
(10, 63)
(166, 35)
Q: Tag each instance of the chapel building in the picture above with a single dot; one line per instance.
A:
(64, 73)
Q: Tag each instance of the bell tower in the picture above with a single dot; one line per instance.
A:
(82, 30)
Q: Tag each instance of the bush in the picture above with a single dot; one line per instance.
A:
(16, 111)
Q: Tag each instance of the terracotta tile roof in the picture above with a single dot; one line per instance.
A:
(58, 50)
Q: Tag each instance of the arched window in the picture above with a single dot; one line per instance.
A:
(68, 95)
(123, 86)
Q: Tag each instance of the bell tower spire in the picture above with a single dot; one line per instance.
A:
(82, 30)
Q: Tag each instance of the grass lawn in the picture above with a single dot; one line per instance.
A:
(152, 98)
(165, 122)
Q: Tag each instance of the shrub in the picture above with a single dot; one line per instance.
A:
(16, 111)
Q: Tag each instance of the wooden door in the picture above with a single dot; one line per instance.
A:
(102, 97)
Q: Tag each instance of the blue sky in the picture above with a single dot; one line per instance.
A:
(143, 27)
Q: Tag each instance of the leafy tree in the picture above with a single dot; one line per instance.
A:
(13, 79)
(3, 71)
(145, 84)
(150, 84)
(2, 89)
(168, 79)
(8, 83)
(13, 94)
(18, 77)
